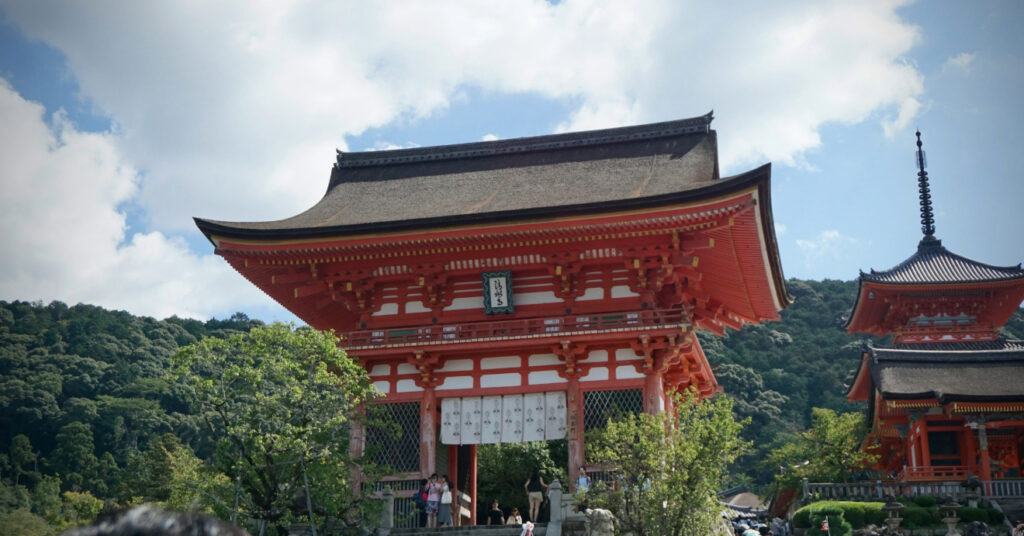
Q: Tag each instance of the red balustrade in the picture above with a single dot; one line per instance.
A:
(514, 328)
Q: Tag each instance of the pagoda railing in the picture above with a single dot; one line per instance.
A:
(515, 328)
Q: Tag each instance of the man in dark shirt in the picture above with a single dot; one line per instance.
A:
(495, 516)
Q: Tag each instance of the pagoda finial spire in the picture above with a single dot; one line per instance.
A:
(925, 197)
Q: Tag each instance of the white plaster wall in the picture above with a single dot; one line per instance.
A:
(387, 309)
(459, 304)
(380, 370)
(415, 307)
(512, 379)
(627, 372)
(456, 365)
(626, 354)
(596, 374)
(535, 298)
(623, 291)
(406, 368)
(545, 376)
(597, 356)
(383, 387)
(490, 363)
(540, 360)
(407, 386)
(456, 382)
(593, 293)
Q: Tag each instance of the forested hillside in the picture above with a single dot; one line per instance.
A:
(84, 407)
(82, 400)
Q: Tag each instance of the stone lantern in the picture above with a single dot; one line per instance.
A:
(972, 490)
(950, 507)
(893, 508)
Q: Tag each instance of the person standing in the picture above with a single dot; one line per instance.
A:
(582, 481)
(433, 500)
(495, 516)
(535, 486)
(444, 515)
(421, 503)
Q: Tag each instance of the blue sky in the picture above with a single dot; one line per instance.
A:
(120, 122)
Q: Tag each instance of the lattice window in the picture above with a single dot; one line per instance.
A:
(395, 442)
(598, 406)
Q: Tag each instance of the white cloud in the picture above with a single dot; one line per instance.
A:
(830, 244)
(962, 63)
(233, 109)
(64, 238)
(780, 229)
(489, 137)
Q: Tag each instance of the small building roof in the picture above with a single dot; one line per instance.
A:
(950, 372)
(934, 264)
(483, 182)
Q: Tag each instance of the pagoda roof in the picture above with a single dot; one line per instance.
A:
(987, 371)
(934, 264)
(506, 180)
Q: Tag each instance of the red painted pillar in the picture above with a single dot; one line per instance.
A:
(472, 484)
(971, 450)
(654, 393)
(574, 405)
(453, 477)
(986, 462)
(926, 451)
(428, 432)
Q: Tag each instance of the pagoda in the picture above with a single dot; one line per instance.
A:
(945, 399)
(522, 289)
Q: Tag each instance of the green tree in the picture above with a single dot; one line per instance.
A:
(22, 457)
(278, 401)
(22, 522)
(829, 452)
(74, 458)
(669, 467)
(503, 469)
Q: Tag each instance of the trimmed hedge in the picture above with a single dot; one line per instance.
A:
(922, 512)
(858, 514)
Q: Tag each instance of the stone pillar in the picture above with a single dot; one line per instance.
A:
(428, 432)
(387, 516)
(555, 520)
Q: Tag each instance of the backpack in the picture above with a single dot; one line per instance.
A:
(421, 499)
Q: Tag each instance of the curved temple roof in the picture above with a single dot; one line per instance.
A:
(933, 263)
(543, 176)
(979, 372)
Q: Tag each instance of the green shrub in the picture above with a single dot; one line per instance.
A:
(915, 516)
(968, 514)
(838, 526)
(925, 501)
(995, 517)
(857, 514)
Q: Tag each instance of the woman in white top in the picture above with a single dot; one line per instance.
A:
(444, 512)
(514, 518)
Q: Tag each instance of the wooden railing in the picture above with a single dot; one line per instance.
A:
(936, 472)
(513, 329)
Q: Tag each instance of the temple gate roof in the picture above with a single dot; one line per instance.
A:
(554, 175)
